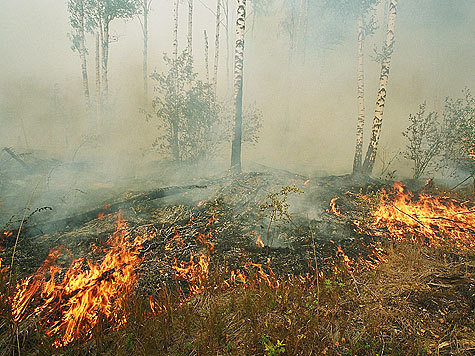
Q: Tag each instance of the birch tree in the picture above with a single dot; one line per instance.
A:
(365, 27)
(102, 13)
(79, 24)
(238, 83)
(383, 82)
(144, 24)
(361, 108)
(175, 148)
(98, 82)
(190, 31)
(216, 46)
(206, 57)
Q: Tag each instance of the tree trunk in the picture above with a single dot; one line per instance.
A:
(216, 46)
(238, 81)
(82, 54)
(105, 57)
(190, 32)
(383, 81)
(98, 83)
(175, 30)
(206, 57)
(174, 129)
(228, 57)
(361, 109)
(145, 50)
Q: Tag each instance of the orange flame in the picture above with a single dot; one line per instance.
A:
(435, 219)
(88, 291)
(195, 273)
(334, 207)
(346, 260)
(259, 241)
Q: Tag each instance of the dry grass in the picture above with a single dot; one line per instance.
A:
(420, 302)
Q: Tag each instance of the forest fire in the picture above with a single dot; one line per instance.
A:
(195, 273)
(437, 220)
(88, 291)
(334, 207)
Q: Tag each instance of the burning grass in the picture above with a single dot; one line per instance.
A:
(402, 297)
(420, 302)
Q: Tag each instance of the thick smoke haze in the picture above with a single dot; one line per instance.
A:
(309, 105)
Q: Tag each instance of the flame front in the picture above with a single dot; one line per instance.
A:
(334, 207)
(437, 219)
(72, 308)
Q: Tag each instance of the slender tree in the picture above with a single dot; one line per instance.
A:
(238, 83)
(361, 108)
(174, 127)
(383, 82)
(102, 13)
(216, 46)
(175, 29)
(98, 82)
(206, 57)
(144, 24)
(78, 21)
(189, 47)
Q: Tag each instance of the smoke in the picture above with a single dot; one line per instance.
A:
(308, 97)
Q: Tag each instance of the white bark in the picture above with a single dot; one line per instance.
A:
(98, 82)
(238, 81)
(190, 31)
(360, 99)
(216, 46)
(206, 57)
(383, 83)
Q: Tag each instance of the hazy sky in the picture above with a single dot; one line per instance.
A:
(309, 108)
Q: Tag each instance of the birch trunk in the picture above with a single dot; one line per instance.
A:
(174, 129)
(206, 57)
(216, 46)
(82, 54)
(175, 30)
(190, 31)
(238, 81)
(383, 82)
(227, 47)
(360, 99)
(105, 57)
(145, 50)
(98, 83)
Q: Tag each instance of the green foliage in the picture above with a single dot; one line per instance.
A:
(187, 110)
(102, 12)
(276, 209)
(459, 132)
(192, 123)
(270, 348)
(425, 141)
(447, 143)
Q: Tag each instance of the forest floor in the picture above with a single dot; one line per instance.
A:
(258, 264)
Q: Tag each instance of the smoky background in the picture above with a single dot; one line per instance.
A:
(308, 99)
